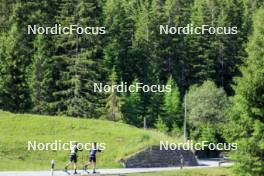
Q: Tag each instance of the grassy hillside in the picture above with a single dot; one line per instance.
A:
(17, 129)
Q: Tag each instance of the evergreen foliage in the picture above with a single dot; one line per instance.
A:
(172, 105)
(77, 62)
(131, 108)
(55, 74)
(246, 123)
(41, 82)
(113, 101)
(161, 126)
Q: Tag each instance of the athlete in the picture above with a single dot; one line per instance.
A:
(73, 158)
(92, 157)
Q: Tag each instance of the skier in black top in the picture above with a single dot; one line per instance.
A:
(73, 158)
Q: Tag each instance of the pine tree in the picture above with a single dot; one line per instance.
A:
(41, 74)
(249, 7)
(218, 56)
(145, 59)
(161, 125)
(131, 107)
(16, 56)
(201, 46)
(113, 101)
(5, 13)
(42, 77)
(154, 108)
(14, 94)
(172, 49)
(172, 107)
(229, 49)
(118, 39)
(246, 113)
(77, 61)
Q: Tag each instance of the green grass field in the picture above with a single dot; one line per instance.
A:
(191, 172)
(17, 129)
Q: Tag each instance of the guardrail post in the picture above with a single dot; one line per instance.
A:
(52, 168)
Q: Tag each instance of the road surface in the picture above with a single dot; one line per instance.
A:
(119, 171)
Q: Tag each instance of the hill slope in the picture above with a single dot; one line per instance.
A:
(17, 129)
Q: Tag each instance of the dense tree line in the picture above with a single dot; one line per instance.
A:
(54, 74)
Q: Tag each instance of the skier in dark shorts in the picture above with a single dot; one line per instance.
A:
(92, 157)
(73, 157)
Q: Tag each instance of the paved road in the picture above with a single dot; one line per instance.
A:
(203, 164)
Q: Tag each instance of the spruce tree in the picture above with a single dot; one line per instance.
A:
(229, 49)
(113, 101)
(172, 105)
(161, 125)
(77, 59)
(41, 79)
(249, 7)
(118, 40)
(202, 57)
(16, 56)
(5, 13)
(216, 56)
(131, 107)
(41, 74)
(173, 49)
(145, 59)
(154, 108)
(246, 113)
(14, 92)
